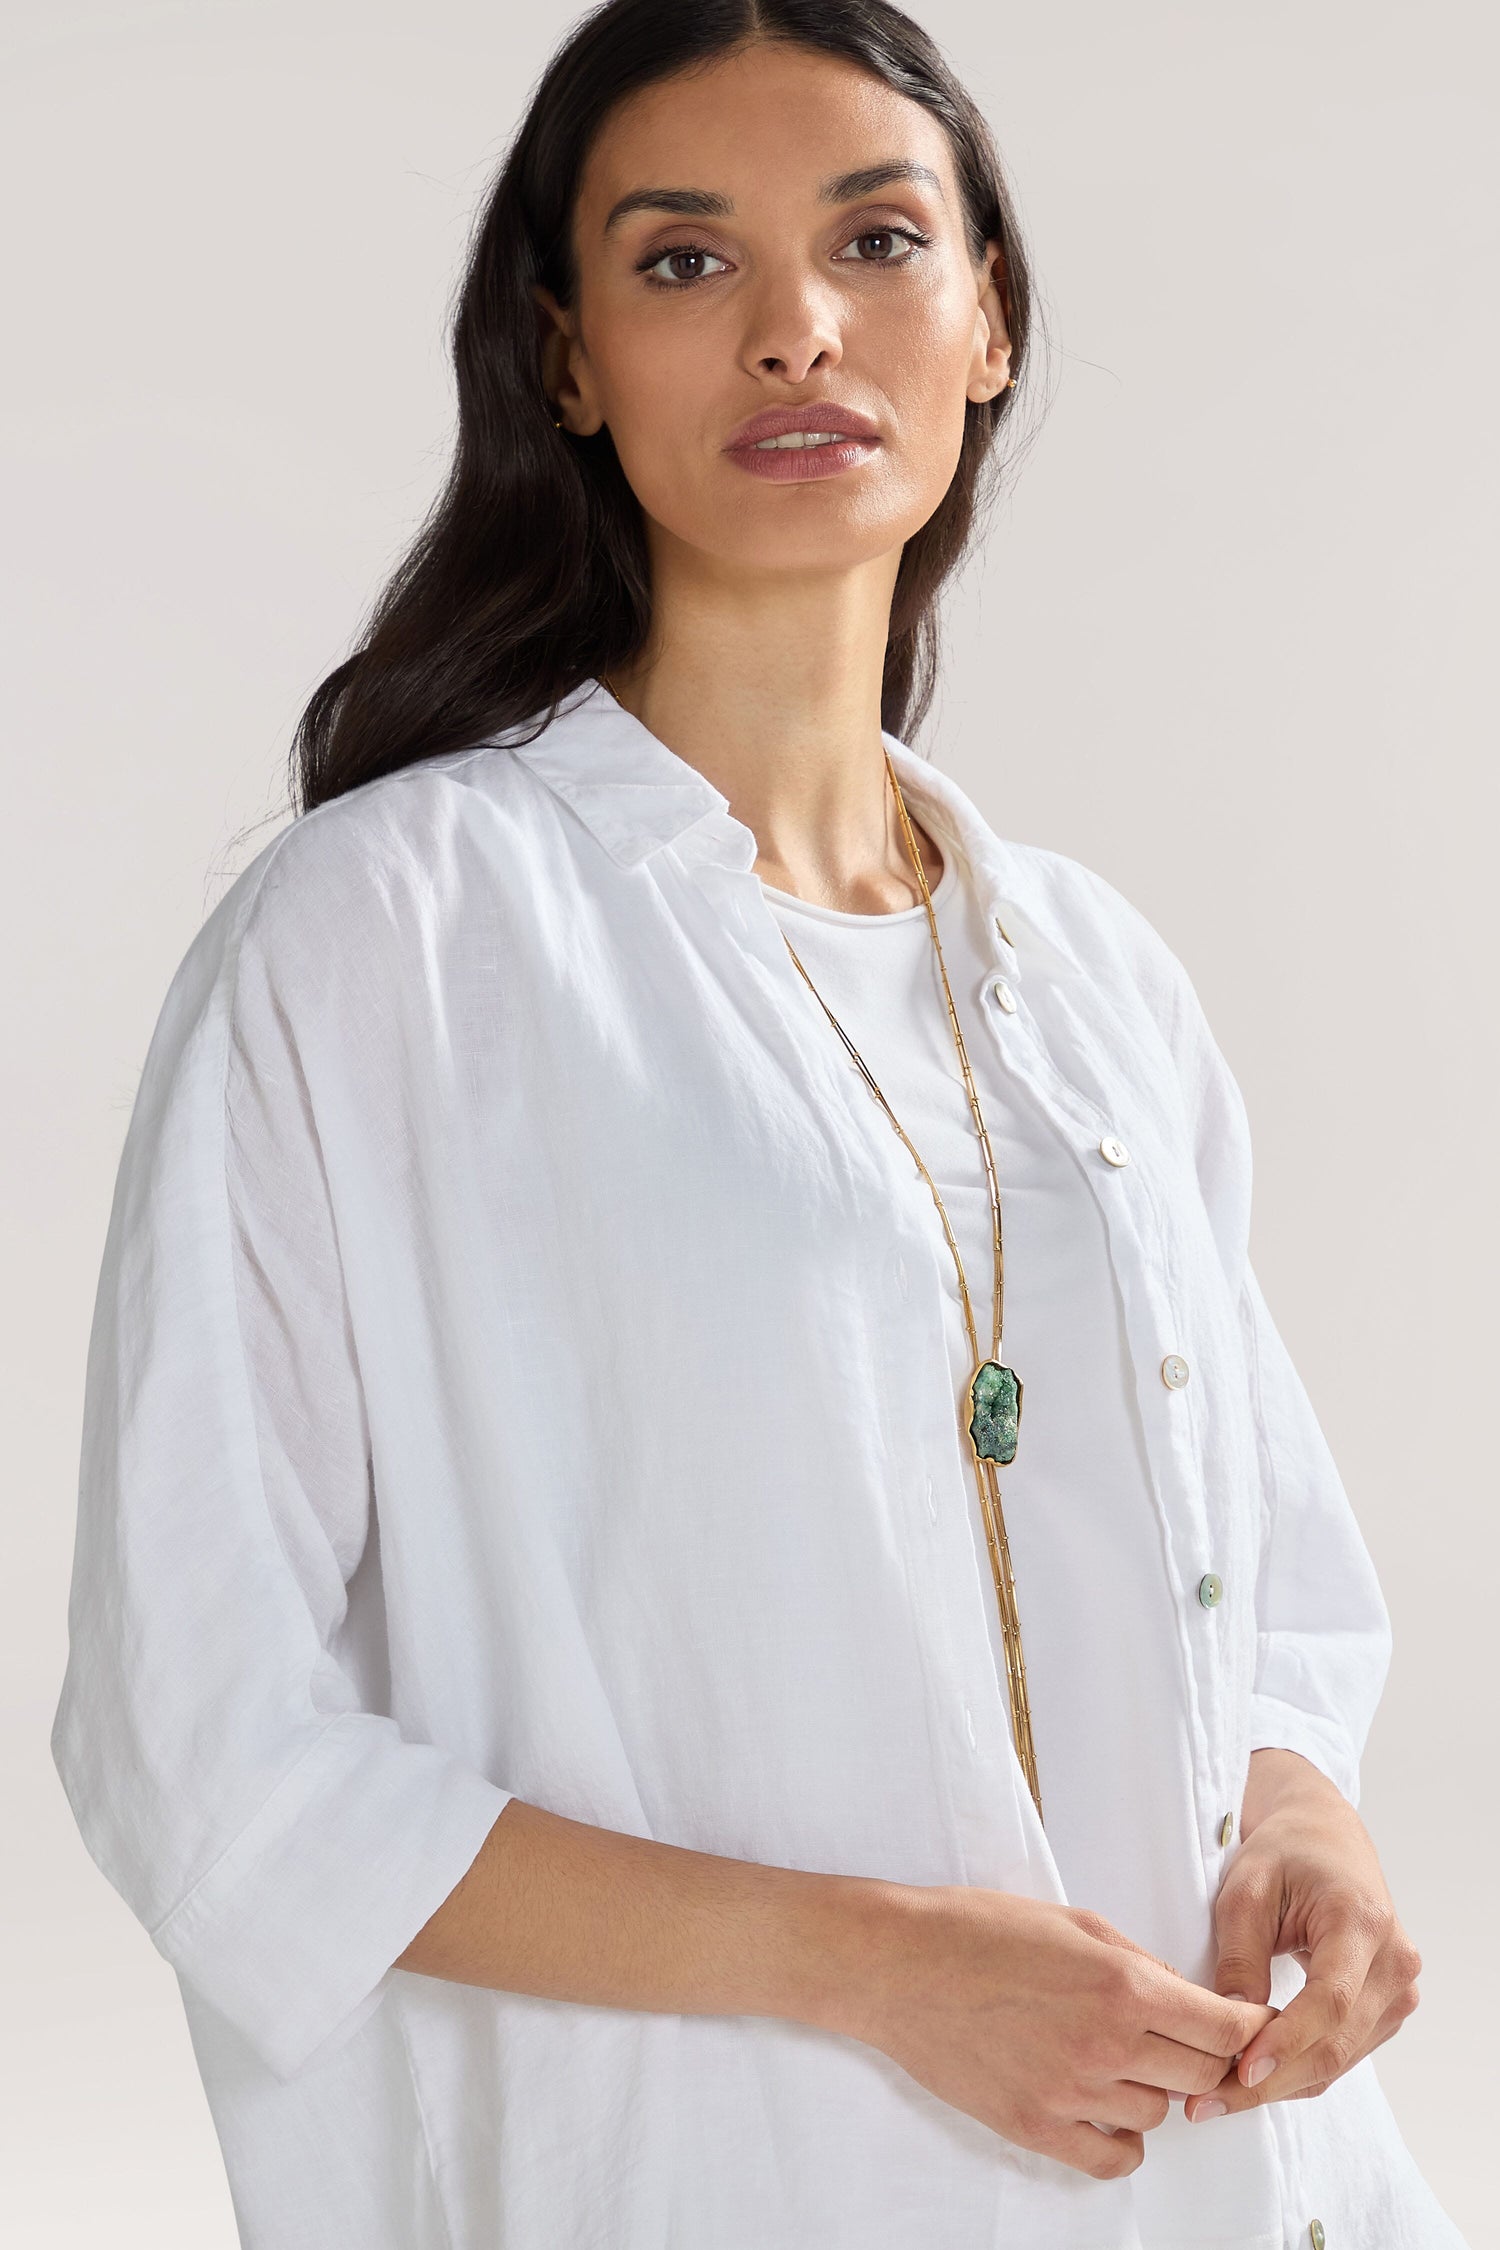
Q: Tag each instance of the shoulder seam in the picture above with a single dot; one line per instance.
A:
(442, 767)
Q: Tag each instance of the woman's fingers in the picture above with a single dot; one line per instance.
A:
(1189, 2015)
(1176, 2068)
(1359, 1972)
(1322, 2028)
(1093, 2149)
(1046, 2023)
(1128, 2107)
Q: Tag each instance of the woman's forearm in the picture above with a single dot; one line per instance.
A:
(1040, 2020)
(568, 1911)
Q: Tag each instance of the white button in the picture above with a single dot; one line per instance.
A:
(931, 1498)
(1113, 1151)
(969, 1723)
(1000, 926)
(1004, 995)
(1174, 1371)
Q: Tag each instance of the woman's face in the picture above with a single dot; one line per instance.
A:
(755, 269)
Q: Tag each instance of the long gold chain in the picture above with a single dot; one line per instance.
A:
(993, 1391)
(994, 1420)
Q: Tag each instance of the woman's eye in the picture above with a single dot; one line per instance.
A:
(891, 246)
(683, 254)
(890, 236)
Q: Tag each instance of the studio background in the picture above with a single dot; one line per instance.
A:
(1230, 644)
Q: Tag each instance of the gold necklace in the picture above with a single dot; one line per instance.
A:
(993, 1391)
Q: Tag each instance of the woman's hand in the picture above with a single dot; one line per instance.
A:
(1041, 2020)
(1306, 1881)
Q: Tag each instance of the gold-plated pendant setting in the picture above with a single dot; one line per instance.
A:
(995, 1423)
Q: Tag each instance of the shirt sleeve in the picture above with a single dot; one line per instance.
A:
(1323, 1637)
(280, 1842)
(1323, 1631)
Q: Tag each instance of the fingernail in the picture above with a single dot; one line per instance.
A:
(1209, 2108)
(1237, 1996)
(1262, 2067)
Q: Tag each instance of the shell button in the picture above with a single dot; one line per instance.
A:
(1226, 1828)
(1004, 997)
(1174, 1371)
(1113, 1151)
(1210, 1589)
(1315, 2233)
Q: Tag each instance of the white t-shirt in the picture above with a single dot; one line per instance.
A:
(1097, 1617)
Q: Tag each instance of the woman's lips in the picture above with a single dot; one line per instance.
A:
(799, 464)
(851, 438)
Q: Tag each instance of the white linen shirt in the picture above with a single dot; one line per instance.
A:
(517, 1365)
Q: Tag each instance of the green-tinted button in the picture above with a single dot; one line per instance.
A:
(1226, 1828)
(1315, 2234)
(1210, 1589)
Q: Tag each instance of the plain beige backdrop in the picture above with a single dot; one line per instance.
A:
(1231, 644)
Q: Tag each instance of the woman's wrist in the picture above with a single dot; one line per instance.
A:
(843, 1935)
(1278, 1778)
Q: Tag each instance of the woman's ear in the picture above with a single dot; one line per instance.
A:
(989, 366)
(561, 358)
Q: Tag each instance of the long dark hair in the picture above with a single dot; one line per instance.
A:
(530, 574)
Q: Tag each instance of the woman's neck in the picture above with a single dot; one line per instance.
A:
(780, 710)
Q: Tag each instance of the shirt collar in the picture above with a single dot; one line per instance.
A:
(636, 795)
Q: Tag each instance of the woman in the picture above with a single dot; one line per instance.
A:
(625, 1731)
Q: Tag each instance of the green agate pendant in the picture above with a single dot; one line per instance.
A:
(994, 1426)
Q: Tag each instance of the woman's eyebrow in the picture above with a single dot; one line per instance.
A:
(707, 203)
(692, 203)
(845, 186)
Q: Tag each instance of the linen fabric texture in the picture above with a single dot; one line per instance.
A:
(518, 1364)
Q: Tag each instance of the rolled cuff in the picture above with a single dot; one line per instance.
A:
(293, 1932)
(1275, 1725)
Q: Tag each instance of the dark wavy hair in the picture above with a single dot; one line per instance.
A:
(531, 573)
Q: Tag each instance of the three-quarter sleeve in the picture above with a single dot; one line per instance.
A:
(280, 1842)
(1323, 1631)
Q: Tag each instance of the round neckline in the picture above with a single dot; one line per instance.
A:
(946, 883)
